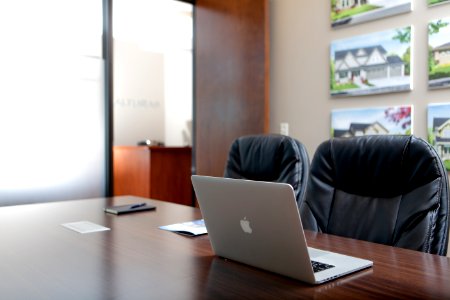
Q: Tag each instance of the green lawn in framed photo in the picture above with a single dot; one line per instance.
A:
(373, 63)
(350, 12)
(436, 2)
(439, 53)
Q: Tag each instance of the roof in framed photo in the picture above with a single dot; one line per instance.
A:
(439, 53)
(438, 111)
(372, 120)
(437, 2)
(350, 12)
(373, 63)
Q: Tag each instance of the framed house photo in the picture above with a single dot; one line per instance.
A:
(437, 2)
(370, 121)
(371, 64)
(439, 130)
(439, 53)
(350, 12)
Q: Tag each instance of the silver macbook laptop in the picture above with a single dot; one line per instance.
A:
(258, 223)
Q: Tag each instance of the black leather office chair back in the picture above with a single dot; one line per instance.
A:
(271, 157)
(385, 189)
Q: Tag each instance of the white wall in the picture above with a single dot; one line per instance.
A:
(300, 40)
(178, 94)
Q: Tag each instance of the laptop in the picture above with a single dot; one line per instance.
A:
(258, 223)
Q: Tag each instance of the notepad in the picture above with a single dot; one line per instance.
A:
(130, 208)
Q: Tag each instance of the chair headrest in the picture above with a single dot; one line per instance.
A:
(381, 165)
(263, 157)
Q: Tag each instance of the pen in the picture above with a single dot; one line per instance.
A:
(137, 205)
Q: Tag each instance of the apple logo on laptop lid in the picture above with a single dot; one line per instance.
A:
(245, 225)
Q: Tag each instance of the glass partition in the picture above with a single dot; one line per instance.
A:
(52, 114)
(152, 71)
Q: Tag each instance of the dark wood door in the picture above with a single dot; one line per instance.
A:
(231, 77)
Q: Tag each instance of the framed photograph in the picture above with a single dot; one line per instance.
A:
(373, 120)
(371, 64)
(349, 12)
(439, 53)
(436, 2)
(439, 130)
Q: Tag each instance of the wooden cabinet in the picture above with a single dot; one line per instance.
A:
(162, 173)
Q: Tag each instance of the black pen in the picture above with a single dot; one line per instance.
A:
(137, 205)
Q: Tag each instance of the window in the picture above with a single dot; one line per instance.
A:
(343, 74)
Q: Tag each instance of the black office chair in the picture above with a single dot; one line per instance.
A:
(387, 189)
(270, 157)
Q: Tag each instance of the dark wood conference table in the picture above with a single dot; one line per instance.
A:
(40, 259)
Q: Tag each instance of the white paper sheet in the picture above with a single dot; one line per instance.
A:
(85, 227)
(191, 228)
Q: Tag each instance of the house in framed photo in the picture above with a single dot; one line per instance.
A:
(361, 65)
(439, 130)
(360, 129)
(349, 12)
(441, 54)
(371, 121)
(347, 4)
(371, 64)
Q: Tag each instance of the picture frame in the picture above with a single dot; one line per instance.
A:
(372, 63)
(351, 12)
(438, 125)
(439, 53)
(372, 121)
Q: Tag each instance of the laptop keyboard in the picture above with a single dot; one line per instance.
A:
(318, 266)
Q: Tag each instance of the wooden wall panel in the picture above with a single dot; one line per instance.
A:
(131, 171)
(231, 77)
(170, 174)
